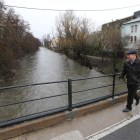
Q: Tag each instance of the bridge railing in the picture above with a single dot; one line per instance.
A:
(70, 105)
(70, 94)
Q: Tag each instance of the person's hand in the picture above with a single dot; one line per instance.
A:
(121, 80)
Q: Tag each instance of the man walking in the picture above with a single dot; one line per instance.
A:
(131, 69)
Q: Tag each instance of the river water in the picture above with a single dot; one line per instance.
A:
(47, 66)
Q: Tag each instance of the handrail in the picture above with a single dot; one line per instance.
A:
(120, 83)
(32, 100)
(41, 112)
(8, 123)
(91, 89)
(35, 84)
(92, 77)
(70, 106)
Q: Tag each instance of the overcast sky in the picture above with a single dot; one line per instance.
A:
(42, 22)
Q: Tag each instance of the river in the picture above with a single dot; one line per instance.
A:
(46, 66)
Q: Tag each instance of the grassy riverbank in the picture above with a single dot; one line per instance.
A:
(107, 68)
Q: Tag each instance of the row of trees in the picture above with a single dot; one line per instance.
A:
(16, 40)
(111, 43)
(81, 35)
(47, 40)
(72, 32)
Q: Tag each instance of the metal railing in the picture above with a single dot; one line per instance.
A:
(70, 105)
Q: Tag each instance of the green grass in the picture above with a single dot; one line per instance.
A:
(109, 69)
(119, 66)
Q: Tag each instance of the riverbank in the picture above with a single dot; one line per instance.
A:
(104, 66)
(16, 41)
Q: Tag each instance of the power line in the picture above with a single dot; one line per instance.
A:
(71, 10)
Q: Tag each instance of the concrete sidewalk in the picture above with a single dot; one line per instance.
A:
(87, 125)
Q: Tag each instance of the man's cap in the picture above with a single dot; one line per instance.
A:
(132, 51)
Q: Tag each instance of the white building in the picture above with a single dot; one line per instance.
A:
(132, 28)
(54, 42)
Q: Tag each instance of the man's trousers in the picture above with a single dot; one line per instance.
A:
(132, 89)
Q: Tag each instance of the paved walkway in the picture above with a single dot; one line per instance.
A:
(89, 125)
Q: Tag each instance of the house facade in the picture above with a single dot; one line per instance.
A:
(132, 28)
(116, 25)
(55, 42)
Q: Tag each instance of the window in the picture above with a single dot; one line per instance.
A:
(135, 39)
(136, 28)
(107, 24)
(131, 39)
(132, 28)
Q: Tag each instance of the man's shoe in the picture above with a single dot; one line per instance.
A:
(126, 110)
(137, 102)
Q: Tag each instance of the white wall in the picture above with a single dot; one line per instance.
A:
(126, 30)
(54, 42)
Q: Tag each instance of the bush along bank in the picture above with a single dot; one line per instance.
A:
(104, 66)
(16, 40)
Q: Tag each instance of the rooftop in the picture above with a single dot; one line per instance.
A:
(132, 21)
(117, 20)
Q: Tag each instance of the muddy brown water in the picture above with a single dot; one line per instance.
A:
(47, 66)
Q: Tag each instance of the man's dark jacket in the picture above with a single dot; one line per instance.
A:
(132, 71)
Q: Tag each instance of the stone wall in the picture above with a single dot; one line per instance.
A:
(95, 61)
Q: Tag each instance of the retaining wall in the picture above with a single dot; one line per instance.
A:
(95, 61)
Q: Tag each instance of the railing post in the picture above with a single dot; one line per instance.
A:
(114, 75)
(69, 94)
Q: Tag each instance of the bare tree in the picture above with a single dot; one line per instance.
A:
(63, 27)
(46, 40)
(15, 39)
(103, 41)
(116, 46)
(73, 31)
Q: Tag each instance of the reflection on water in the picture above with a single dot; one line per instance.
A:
(47, 66)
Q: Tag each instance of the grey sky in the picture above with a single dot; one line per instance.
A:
(42, 22)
